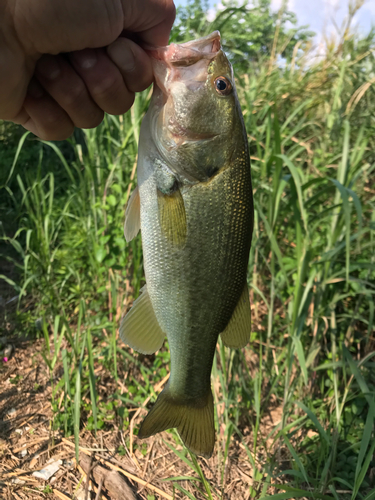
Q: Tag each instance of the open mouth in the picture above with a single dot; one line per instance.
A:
(174, 62)
(186, 54)
(184, 64)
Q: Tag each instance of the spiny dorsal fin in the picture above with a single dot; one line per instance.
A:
(132, 216)
(237, 332)
(140, 328)
(194, 422)
(172, 217)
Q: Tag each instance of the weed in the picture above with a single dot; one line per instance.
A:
(310, 362)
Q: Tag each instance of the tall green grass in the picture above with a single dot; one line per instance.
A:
(311, 270)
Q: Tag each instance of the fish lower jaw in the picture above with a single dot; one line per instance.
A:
(180, 137)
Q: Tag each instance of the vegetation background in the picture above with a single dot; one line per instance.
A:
(310, 363)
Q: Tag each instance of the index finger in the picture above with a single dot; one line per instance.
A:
(152, 20)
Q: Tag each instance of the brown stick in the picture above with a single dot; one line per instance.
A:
(60, 495)
(99, 489)
(88, 474)
(113, 482)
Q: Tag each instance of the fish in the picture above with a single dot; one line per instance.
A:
(194, 208)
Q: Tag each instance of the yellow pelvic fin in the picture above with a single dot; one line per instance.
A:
(195, 423)
(140, 328)
(172, 217)
(132, 216)
(237, 332)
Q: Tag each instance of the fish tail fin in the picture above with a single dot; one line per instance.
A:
(194, 422)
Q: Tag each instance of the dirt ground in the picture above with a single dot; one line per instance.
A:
(28, 444)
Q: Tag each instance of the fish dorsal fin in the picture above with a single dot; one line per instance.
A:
(140, 328)
(132, 216)
(172, 217)
(237, 332)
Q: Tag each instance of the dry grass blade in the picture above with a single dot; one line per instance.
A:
(357, 96)
(28, 444)
(60, 495)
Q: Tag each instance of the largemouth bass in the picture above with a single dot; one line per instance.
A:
(194, 207)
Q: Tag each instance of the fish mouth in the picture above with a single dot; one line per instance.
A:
(186, 64)
(188, 53)
(172, 63)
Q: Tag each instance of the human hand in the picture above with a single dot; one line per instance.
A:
(63, 64)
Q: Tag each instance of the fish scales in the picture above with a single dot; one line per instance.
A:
(196, 219)
(179, 281)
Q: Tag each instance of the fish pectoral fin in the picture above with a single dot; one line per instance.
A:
(132, 216)
(194, 422)
(140, 329)
(172, 217)
(237, 332)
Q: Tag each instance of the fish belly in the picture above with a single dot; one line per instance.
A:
(195, 288)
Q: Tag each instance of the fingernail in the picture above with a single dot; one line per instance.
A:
(35, 90)
(86, 58)
(124, 59)
(48, 67)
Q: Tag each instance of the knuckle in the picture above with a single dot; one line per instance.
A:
(108, 86)
(76, 93)
(112, 96)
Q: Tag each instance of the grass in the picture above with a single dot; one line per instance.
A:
(310, 362)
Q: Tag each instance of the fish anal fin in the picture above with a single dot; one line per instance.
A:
(140, 329)
(172, 217)
(237, 332)
(194, 422)
(132, 216)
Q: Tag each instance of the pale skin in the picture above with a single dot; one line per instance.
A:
(64, 63)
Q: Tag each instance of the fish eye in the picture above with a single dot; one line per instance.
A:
(222, 85)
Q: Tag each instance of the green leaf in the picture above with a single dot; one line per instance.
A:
(363, 465)
(92, 379)
(16, 156)
(111, 199)
(100, 254)
(295, 457)
(315, 421)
